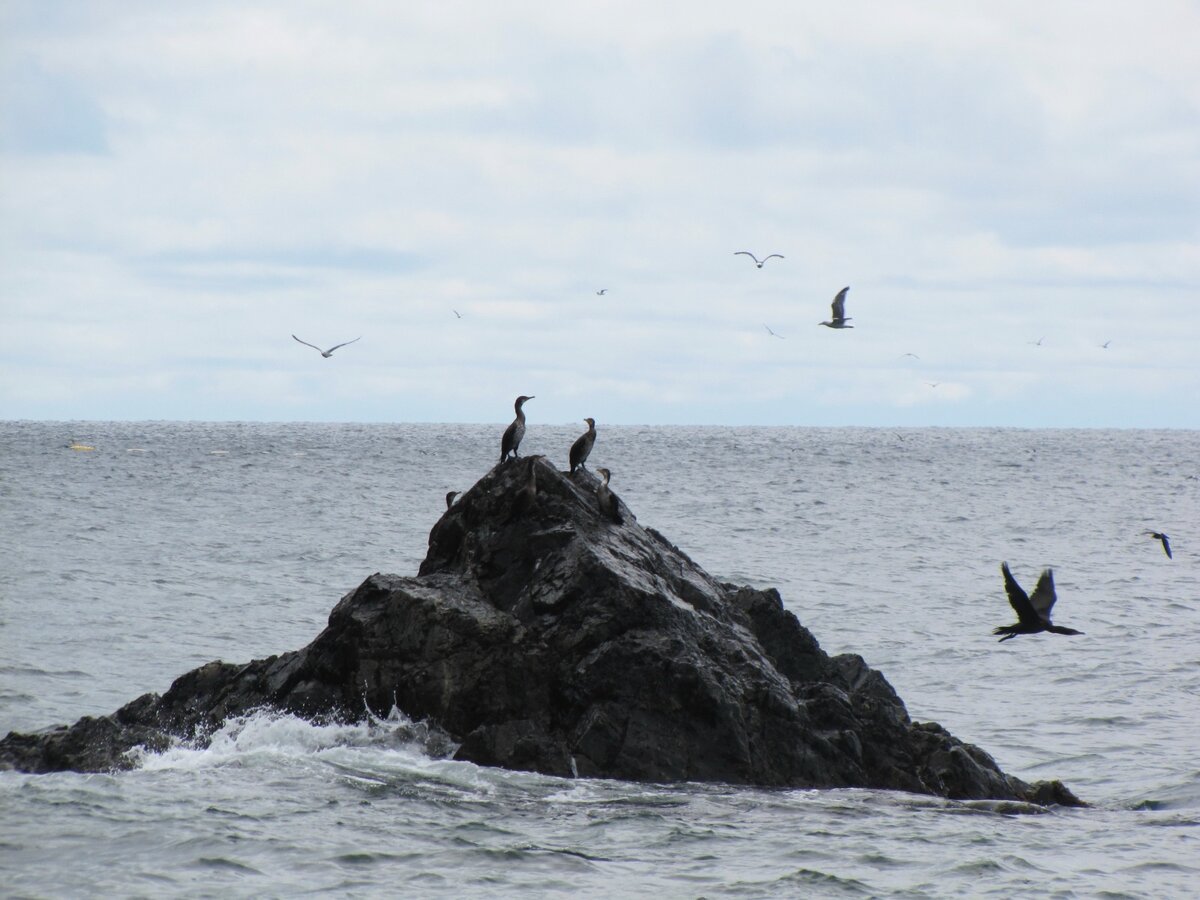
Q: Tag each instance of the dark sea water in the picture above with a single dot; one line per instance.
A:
(173, 544)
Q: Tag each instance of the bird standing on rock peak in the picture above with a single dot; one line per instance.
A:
(514, 432)
(606, 499)
(583, 446)
(1033, 613)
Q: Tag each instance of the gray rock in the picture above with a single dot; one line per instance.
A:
(540, 635)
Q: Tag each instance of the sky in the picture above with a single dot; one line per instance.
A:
(183, 187)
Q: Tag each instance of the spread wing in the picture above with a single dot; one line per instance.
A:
(1043, 595)
(335, 346)
(747, 253)
(1166, 545)
(839, 304)
(307, 344)
(773, 256)
(1018, 598)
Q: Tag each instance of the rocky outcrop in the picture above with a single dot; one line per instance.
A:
(543, 636)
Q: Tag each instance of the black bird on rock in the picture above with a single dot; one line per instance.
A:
(1033, 613)
(583, 445)
(1166, 542)
(514, 432)
(450, 498)
(606, 499)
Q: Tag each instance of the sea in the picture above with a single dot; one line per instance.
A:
(172, 544)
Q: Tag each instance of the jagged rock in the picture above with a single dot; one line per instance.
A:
(540, 635)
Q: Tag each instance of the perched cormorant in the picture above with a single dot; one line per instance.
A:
(1166, 542)
(514, 432)
(1033, 612)
(527, 495)
(450, 498)
(606, 499)
(758, 262)
(838, 319)
(327, 353)
(583, 445)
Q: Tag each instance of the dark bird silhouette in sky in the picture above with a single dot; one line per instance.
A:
(838, 319)
(327, 353)
(601, 292)
(771, 332)
(583, 446)
(514, 432)
(758, 262)
(457, 314)
(1166, 542)
(1036, 343)
(1033, 613)
(1104, 346)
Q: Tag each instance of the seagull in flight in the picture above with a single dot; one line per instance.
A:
(457, 314)
(772, 333)
(838, 319)
(758, 262)
(1036, 343)
(601, 292)
(933, 384)
(1159, 536)
(913, 355)
(1033, 613)
(327, 353)
(1104, 346)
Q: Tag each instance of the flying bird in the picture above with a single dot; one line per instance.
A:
(838, 319)
(457, 314)
(582, 447)
(758, 262)
(514, 432)
(1166, 542)
(1033, 613)
(327, 353)
(601, 292)
(913, 355)
(933, 384)
(1036, 343)
(772, 333)
(1104, 346)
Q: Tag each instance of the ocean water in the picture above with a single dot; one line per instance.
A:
(173, 544)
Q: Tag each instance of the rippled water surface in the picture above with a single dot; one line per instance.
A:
(173, 544)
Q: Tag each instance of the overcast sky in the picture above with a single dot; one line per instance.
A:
(184, 186)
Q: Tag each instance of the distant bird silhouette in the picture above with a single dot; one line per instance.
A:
(606, 499)
(1033, 613)
(758, 262)
(913, 355)
(1166, 542)
(457, 314)
(838, 319)
(772, 333)
(327, 353)
(601, 292)
(1036, 343)
(514, 432)
(1104, 346)
(583, 446)
(450, 498)
(933, 384)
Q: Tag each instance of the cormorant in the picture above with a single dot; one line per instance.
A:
(1033, 612)
(527, 495)
(514, 432)
(606, 499)
(838, 319)
(450, 498)
(758, 262)
(327, 353)
(583, 445)
(1159, 536)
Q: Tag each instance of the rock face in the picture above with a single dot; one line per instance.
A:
(540, 635)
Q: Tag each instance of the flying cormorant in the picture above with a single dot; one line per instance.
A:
(838, 319)
(606, 499)
(583, 445)
(514, 432)
(1166, 542)
(1033, 612)
(758, 262)
(327, 353)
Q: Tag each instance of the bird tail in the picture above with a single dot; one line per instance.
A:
(1006, 630)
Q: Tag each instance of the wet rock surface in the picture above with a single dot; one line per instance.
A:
(541, 635)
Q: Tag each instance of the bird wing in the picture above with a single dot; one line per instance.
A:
(839, 304)
(307, 344)
(1166, 544)
(1018, 598)
(746, 253)
(773, 256)
(1043, 595)
(335, 346)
